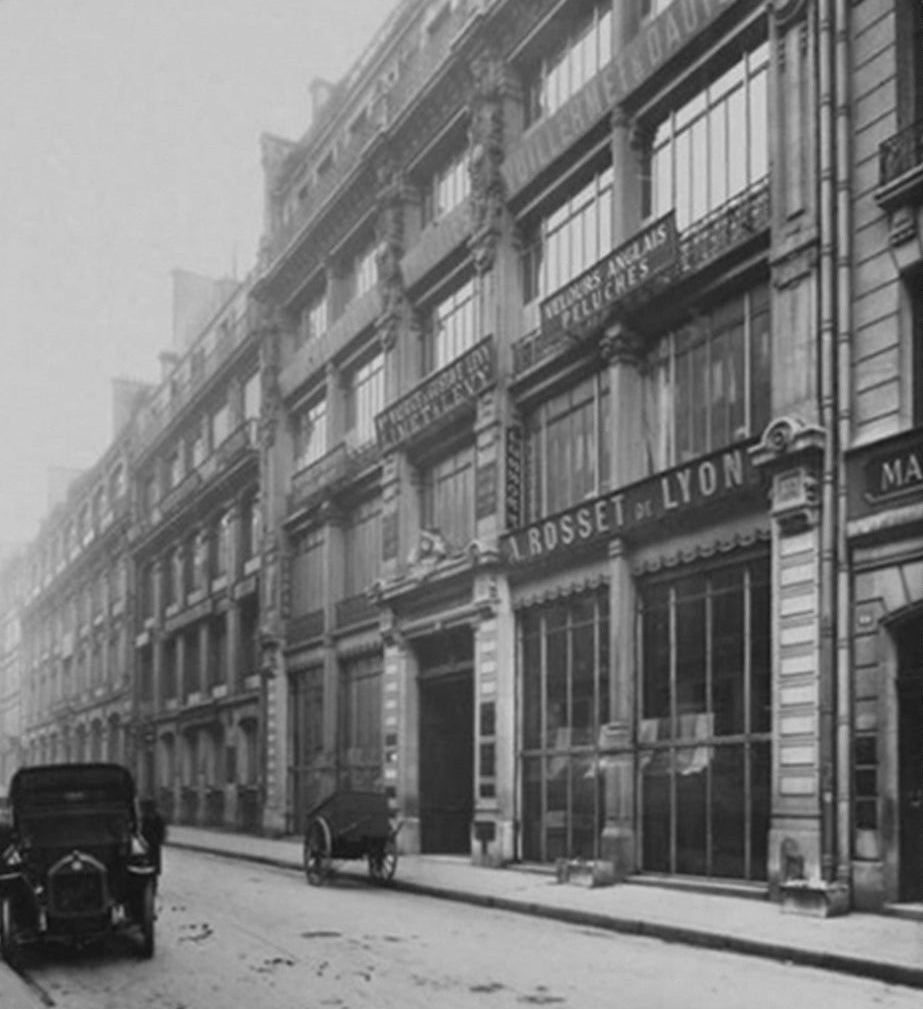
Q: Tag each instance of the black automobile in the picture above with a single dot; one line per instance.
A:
(76, 868)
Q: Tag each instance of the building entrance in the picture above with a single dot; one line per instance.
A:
(910, 759)
(446, 751)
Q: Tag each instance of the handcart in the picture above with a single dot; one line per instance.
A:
(350, 825)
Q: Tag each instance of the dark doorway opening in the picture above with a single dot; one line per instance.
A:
(910, 759)
(447, 745)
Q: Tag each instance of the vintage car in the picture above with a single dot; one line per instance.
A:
(76, 868)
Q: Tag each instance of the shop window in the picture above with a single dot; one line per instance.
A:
(451, 328)
(579, 51)
(365, 397)
(362, 547)
(565, 690)
(308, 572)
(447, 489)
(705, 728)
(568, 448)
(447, 188)
(310, 434)
(712, 147)
(360, 723)
(707, 384)
(568, 239)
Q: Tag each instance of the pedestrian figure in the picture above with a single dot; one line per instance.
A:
(153, 830)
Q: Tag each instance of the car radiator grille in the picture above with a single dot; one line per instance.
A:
(73, 891)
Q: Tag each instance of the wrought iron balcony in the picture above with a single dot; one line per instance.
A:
(305, 627)
(326, 475)
(354, 610)
(723, 232)
(900, 154)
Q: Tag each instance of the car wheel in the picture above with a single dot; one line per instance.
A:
(9, 940)
(147, 922)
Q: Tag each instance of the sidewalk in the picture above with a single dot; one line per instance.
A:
(14, 992)
(885, 948)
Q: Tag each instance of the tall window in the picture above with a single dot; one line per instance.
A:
(309, 577)
(448, 497)
(568, 448)
(313, 321)
(579, 52)
(651, 8)
(360, 723)
(448, 188)
(568, 240)
(311, 434)
(219, 425)
(707, 384)
(705, 722)
(252, 397)
(712, 147)
(365, 397)
(452, 328)
(565, 690)
(221, 545)
(362, 547)
(250, 527)
(365, 271)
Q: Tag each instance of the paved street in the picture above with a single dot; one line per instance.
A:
(232, 933)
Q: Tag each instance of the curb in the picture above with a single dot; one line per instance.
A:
(841, 963)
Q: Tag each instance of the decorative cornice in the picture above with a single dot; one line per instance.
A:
(702, 551)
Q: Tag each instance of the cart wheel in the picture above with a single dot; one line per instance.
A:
(318, 848)
(383, 861)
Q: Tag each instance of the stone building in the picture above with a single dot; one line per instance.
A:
(76, 660)
(195, 548)
(11, 595)
(586, 318)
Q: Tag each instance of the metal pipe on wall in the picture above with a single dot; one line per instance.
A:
(844, 192)
(828, 413)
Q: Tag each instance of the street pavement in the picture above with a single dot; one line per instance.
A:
(883, 947)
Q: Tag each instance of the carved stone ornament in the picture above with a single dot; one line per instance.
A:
(620, 344)
(390, 250)
(787, 12)
(485, 143)
(790, 453)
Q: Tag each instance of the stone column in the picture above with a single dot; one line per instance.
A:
(790, 455)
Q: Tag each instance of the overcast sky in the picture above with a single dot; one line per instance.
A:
(129, 146)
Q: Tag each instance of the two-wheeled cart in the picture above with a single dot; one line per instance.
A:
(350, 825)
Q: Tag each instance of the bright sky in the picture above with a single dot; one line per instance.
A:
(129, 146)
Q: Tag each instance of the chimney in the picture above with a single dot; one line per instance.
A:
(321, 91)
(168, 361)
(127, 396)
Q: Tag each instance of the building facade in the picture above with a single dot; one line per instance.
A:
(76, 620)
(11, 594)
(558, 470)
(195, 555)
(618, 291)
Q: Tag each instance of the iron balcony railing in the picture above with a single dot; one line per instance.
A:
(323, 476)
(703, 243)
(305, 627)
(901, 153)
(354, 610)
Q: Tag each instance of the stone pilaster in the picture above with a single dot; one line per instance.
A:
(400, 719)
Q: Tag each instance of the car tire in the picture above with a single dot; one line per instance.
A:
(147, 918)
(10, 946)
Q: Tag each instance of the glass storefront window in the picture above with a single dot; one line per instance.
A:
(704, 728)
(565, 692)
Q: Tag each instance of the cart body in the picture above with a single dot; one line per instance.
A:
(350, 825)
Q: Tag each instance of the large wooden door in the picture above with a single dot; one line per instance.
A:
(910, 759)
(446, 763)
